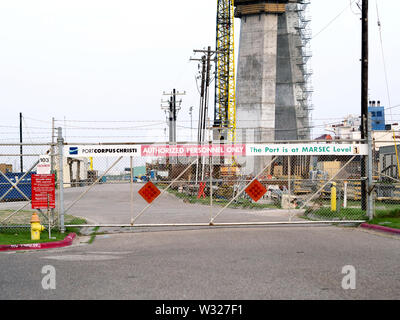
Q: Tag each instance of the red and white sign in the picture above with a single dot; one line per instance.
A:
(194, 150)
(43, 191)
(44, 165)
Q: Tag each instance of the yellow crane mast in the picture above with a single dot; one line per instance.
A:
(225, 98)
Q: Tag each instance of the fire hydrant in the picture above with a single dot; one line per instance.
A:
(36, 227)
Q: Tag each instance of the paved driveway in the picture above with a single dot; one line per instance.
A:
(227, 263)
(110, 203)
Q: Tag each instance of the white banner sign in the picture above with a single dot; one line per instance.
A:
(102, 151)
(313, 149)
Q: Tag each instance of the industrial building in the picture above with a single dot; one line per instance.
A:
(76, 171)
(382, 133)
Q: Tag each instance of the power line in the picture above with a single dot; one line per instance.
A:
(384, 60)
(333, 20)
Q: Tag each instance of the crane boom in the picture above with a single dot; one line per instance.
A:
(225, 98)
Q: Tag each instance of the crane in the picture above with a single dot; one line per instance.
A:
(225, 98)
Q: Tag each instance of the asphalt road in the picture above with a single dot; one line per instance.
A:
(226, 263)
(209, 263)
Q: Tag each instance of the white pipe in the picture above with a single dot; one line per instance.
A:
(220, 224)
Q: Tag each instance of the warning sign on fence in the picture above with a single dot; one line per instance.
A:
(149, 192)
(256, 190)
(43, 191)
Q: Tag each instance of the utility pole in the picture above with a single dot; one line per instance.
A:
(20, 141)
(204, 95)
(364, 97)
(173, 109)
(205, 60)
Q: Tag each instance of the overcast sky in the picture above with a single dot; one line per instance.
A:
(98, 60)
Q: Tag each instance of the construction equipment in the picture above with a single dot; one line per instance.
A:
(225, 99)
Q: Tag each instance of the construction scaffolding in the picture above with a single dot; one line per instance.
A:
(304, 86)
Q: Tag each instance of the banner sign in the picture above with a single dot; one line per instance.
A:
(102, 151)
(316, 149)
(43, 191)
(194, 150)
(310, 149)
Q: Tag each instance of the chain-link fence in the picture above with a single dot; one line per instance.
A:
(214, 187)
(18, 162)
(239, 184)
(386, 178)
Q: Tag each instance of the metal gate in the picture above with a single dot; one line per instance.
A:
(190, 185)
(203, 189)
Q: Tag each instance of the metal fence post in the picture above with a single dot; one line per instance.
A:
(131, 186)
(370, 211)
(211, 185)
(52, 166)
(60, 143)
(289, 189)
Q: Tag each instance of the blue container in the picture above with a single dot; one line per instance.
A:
(25, 186)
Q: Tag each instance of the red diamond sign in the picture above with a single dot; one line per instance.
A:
(149, 192)
(256, 190)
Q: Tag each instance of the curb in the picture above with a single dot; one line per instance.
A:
(37, 246)
(380, 228)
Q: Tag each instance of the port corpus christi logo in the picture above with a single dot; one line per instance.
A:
(91, 151)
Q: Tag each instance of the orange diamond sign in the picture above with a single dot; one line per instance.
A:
(256, 190)
(149, 192)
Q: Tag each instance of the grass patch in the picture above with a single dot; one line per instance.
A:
(387, 218)
(24, 237)
(380, 205)
(92, 237)
(20, 218)
(74, 220)
(386, 222)
(23, 217)
(395, 213)
(354, 214)
(12, 234)
(93, 234)
(344, 214)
